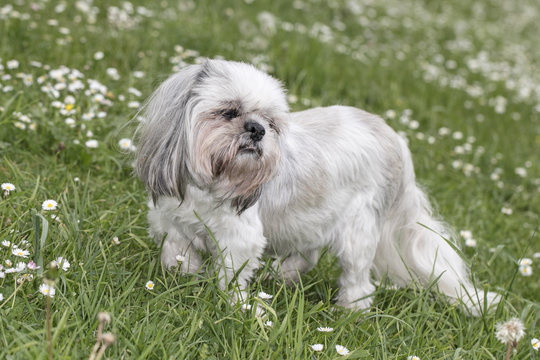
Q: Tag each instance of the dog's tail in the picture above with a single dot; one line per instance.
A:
(426, 249)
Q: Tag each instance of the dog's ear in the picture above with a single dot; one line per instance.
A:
(164, 135)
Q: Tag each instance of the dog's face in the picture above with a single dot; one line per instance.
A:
(217, 126)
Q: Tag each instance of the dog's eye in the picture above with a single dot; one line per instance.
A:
(230, 114)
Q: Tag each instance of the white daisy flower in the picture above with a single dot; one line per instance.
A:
(126, 144)
(91, 144)
(115, 240)
(113, 73)
(20, 267)
(470, 242)
(413, 357)
(12, 64)
(522, 172)
(134, 104)
(510, 332)
(264, 296)
(534, 342)
(88, 116)
(325, 329)
(180, 258)
(317, 347)
(268, 323)
(1, 297)
(5, 243)
(342, 350)
(62, 263)
(526, 270)
(70, 122)
(134, 91)
(47, 290)
(246, 307)
(149, 285)
(98, 55)
(49, 205)
(20, 252)
(525, 262)
(506, 211)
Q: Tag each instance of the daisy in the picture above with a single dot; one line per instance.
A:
(264, 296)
(510, 332)
(115, 240)
(70, 122)
(414, 357)
(149, 285)
(525, 262)
(49, 205)
(2, 299)
(20, 252)
(269, 323)
(113, 73)
(470, 242)
(134, 91)
(60, 262)
(534, 342)
(126, 144)
(325, 329)
(246, 307)
(8, 187)
(506, 211)
(525, 270)
(98, 55)
(342, 350)
(47, 290)
(12, 64)
(180, 258)
(317, 347)
(6, 243)
(32, 265)
(91, 144)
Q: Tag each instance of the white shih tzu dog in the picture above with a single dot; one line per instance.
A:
(219, 150)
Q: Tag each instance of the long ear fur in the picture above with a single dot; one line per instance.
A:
(165, 134)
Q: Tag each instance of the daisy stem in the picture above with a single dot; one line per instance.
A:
(508, 351)
(101, 352)
(98, 342)
(48, 314)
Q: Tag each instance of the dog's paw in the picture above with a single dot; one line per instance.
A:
(286, 270)
(356, 299)
(187, 263)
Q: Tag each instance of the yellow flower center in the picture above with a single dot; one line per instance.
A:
(69, 107)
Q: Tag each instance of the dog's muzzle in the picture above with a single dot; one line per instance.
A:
(255, 129)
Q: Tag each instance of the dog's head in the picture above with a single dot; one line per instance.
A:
(216, 126)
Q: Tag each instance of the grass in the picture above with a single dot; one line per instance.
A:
(469, 67)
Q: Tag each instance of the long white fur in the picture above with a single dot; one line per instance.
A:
(344, 180)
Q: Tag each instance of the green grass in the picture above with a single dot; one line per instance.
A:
(443, 63)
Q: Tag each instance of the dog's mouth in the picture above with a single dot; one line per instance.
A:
(250, 149)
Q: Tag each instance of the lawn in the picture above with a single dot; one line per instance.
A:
(459, 79)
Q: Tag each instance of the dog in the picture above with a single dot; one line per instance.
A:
(231, 171)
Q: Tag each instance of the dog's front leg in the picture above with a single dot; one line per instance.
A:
(239, 244)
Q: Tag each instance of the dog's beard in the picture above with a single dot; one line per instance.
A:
(234, 166)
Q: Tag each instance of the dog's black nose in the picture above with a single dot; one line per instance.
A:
(257, 130)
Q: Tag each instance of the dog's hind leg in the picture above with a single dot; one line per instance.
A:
(291, 267)
(355, 245)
